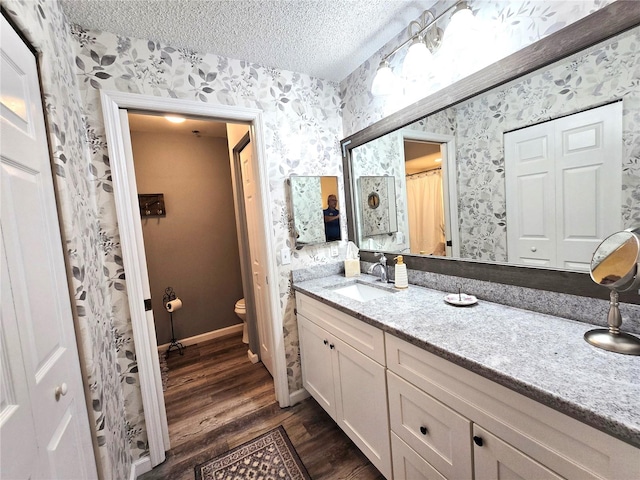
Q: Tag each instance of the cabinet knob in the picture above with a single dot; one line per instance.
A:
(423, 430)
(325, 341)
(332, 346)
(533, 249)
(478, 440)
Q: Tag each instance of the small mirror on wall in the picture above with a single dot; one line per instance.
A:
(316, 213)
(378, 205)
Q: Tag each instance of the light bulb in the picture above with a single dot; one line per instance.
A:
(418, 61)
(384, 83)
(461, 26)
(174, 119)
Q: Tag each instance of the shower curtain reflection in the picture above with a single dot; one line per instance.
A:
(426, 213)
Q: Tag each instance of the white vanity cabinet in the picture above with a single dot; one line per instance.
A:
(343, 369)
(449, 422)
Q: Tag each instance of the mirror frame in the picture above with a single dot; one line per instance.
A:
(609, 21)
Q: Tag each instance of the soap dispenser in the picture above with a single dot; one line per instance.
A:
(401, 280)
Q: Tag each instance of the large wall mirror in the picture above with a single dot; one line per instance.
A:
(316, 212)
(536, 170)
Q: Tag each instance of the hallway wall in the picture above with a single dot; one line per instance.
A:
(94, 263)
(193, 248)
(301, 120)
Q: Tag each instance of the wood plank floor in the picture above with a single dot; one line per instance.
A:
(217, 399)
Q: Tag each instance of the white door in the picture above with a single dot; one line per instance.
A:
(530, 195)
(589, 175)
(257, 253)
(44, 427)
(563, 183)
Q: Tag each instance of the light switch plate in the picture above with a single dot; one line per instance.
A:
(285, 256)
(334, 250)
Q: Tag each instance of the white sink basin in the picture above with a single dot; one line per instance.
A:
(362, 292)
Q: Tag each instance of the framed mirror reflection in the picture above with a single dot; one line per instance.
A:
(315, 209)
(537, 171)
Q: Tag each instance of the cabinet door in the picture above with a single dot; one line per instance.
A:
(361, 403)
(495, 459)
(317, 374)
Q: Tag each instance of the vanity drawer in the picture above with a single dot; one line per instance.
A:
(365, 338)
(438, 434)
(408, 465)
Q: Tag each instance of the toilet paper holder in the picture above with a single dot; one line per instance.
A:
(169, 296)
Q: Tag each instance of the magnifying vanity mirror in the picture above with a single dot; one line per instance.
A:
(533, 160)
(316, 213)
(616, 265)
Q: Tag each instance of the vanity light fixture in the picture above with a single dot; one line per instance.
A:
(174, 118)
(384, 83)
(423, 42)
(462, 20)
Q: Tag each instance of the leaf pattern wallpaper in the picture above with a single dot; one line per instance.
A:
(304, 117)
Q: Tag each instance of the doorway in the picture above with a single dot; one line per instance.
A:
(432, 204)
(425, 202)
(193, 246)
(114, 105)
(185, 192)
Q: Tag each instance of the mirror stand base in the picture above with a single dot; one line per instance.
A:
(613, 342)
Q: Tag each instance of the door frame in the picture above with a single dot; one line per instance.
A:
(449, 183)
(129, 226)
(245, 257)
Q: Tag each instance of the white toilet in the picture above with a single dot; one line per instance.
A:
(241, 311)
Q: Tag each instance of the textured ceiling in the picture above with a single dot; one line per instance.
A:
(328, 39)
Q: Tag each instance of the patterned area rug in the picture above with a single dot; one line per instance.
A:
(270, 456)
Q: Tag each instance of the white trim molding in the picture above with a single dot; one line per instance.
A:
(133, 248)
(204, 337)
(252, 356)
(298, 396)
(140, 467)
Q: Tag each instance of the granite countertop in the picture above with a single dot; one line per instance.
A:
(540, 356)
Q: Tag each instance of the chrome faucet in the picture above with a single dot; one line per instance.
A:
(382, 264)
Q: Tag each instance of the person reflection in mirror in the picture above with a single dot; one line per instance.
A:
(331, 219)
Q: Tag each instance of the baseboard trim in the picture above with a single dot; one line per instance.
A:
(298, 396)
(139, 467)
(252, 356)
(203, 337)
